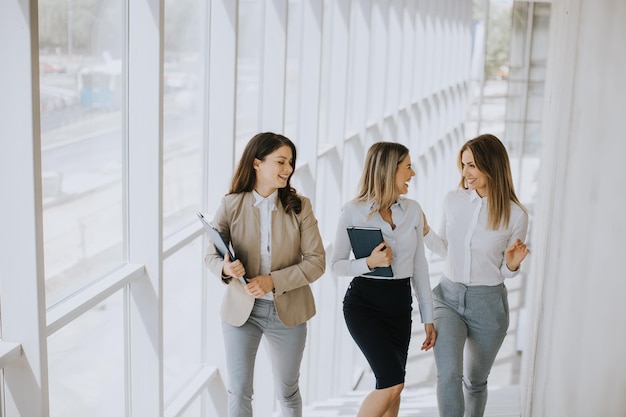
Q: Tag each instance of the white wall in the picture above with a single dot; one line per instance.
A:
(576, 364)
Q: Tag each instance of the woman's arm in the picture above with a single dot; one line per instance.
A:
(421, 276)
(438, 243)
(340, 263)
(212, 258)
(516, 250)
(313, 263)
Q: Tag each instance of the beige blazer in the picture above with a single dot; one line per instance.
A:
(298, 257)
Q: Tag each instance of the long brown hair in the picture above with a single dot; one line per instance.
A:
(261, 145)
(492, 159)
(378, 180)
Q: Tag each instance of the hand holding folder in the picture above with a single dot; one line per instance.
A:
(363, 241)
(216, 237)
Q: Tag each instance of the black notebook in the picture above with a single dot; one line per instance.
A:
(216, 237)
(363, 241)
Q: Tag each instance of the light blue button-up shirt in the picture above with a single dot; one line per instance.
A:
(474, 253)
(405, 241)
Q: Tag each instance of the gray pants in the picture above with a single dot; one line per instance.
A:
(285, 346)
(471, 321)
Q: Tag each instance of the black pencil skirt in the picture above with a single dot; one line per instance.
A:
(378, 316)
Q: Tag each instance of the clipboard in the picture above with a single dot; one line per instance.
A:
(216, 237)
(363, 241)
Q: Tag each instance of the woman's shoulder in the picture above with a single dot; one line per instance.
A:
(303, 198)
(355, 210)
(410, 204)
(235, 199)
(354, 205)
(460, 194)
(305, 203)
(518, 212)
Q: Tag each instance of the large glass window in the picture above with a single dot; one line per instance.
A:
(249, 48)
(182, 317)
(99, 199)
(184, 110)
(86, 363)
(195, 409)
(81, 74)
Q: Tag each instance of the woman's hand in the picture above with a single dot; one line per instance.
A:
(233, 269)
(380, 256)
(426, 226)
(431, 336)
(515, 254)
(260, 285)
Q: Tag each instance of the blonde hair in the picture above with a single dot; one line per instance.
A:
(378, 180)
(492, 159)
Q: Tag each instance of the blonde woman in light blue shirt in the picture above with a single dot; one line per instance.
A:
(377, 309)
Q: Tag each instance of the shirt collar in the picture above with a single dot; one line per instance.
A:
(271, 199)
(473, 195)
(400, 202)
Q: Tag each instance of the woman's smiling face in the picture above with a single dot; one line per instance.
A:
(475, 179)
(404, 174)
(274, 171)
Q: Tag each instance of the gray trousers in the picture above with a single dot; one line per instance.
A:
(471, 322)
(285, 346)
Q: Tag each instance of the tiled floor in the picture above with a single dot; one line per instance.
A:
(420, 402)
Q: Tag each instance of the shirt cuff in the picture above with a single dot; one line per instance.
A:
(507, 273)
(361, 267)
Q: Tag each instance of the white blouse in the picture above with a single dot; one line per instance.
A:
(266, 206)
(406, 242)
(474, 253)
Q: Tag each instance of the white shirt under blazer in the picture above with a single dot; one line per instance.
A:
(474, 254)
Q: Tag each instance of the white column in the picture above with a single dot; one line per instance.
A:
(274, 55)
(145, 177)
(329, 370)
(219, 166)
(379, 53)
(23, 305)
(358, 67)
(309, 97)
(222, 64)
(575, 365)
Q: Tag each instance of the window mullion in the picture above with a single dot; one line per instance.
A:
(21, 268)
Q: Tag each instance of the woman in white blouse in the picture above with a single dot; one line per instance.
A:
(483, 229)
(377, 309)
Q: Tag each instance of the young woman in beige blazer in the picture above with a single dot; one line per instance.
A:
(279, 250)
